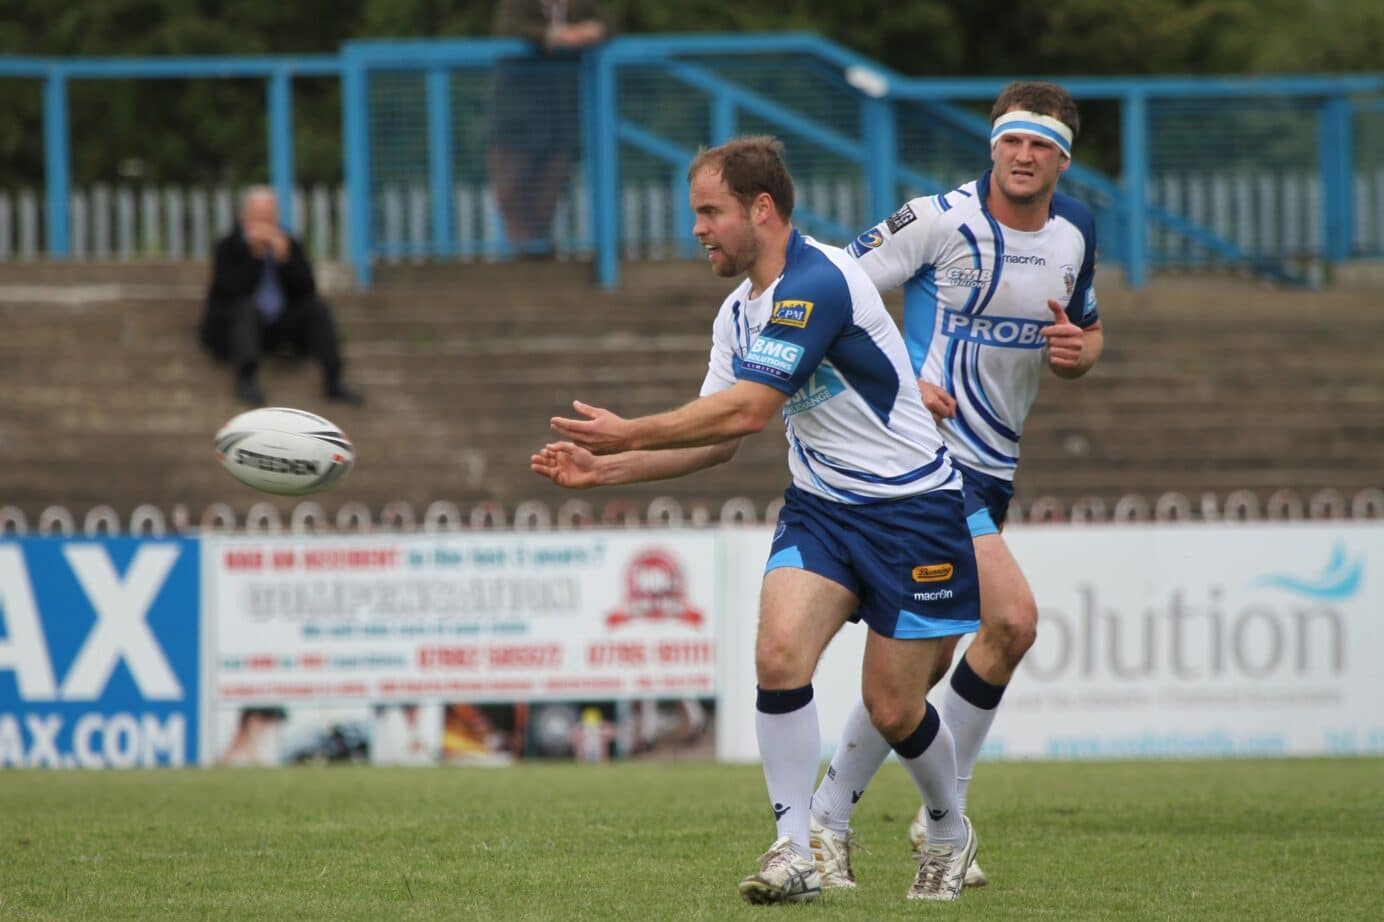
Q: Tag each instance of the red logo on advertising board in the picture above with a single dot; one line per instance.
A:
(654, 591)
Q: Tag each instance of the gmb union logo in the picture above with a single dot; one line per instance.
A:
(654, 591)
(963, 277)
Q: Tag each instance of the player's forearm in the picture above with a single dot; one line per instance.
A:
(706, 421)
(1092, 345)
(641, 466)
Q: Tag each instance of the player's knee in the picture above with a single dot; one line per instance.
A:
(893, 717)
(779, 664)
(1012, 634)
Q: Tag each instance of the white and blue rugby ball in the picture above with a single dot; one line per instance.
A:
(285, 451)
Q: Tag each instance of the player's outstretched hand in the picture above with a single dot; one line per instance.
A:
(938, 402)
(1064, 338)
(566, 465)
(601, 433)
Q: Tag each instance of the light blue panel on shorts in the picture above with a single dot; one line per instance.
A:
(980, 523)
(788, 557)
(912, 626)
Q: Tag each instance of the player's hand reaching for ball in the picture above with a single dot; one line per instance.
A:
(938, 402)
(601, 433)
(1064, 338)
(566, 465)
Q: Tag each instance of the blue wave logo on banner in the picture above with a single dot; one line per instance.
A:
(1340, 580)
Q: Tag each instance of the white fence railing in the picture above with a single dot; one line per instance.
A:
(1264, 214)
(1282, 505)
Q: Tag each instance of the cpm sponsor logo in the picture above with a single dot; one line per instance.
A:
(99, 653)
(791, 313)
(1005, 332)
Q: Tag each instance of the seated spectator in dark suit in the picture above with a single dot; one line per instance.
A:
(263, 297)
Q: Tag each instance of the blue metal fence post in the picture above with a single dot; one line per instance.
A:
(722, 120)
(605, 172)
(1134, 149)
(440, 159)
(1335, 150)
(281, 142)
(56, 161)
(879, 125)
(355, 130)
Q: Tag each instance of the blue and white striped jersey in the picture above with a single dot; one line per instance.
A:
(975, 297)
(857, 430)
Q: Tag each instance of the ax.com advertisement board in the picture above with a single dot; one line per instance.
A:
(99, 653)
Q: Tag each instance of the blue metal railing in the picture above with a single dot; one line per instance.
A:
(56, 73)
(860, 144)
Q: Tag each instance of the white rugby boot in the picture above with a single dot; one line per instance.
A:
(784, 876)
(832, 853)
(917, 838)
(942, 869)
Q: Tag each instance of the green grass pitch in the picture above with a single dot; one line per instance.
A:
(1290, 839)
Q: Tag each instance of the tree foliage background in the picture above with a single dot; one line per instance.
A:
(213, 130)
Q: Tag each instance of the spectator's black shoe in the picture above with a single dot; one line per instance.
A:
(247, 390)
(340, 393)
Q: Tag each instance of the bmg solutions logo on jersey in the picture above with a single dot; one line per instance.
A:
(99, 653)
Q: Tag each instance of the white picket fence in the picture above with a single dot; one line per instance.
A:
(1265, 215)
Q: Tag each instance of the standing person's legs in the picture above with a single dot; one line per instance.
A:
(800, 612)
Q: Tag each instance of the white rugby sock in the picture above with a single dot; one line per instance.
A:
(790, 748)
(859, 755)
(929, 756)
(969, 704)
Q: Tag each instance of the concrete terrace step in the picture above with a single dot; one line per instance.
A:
(108, 400)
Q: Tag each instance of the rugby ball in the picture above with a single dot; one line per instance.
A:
(285, 451)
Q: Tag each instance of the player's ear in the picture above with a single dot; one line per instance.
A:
(763, 207)
(1062, 166)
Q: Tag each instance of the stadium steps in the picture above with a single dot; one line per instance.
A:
(1207, 384)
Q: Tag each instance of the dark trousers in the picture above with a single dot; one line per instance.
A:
(240, 336)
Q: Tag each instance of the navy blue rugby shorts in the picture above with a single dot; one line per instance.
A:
(987, 500)
(909, 560)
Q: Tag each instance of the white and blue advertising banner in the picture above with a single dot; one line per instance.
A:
(1154, 641)
(478, 617)
(99, 653)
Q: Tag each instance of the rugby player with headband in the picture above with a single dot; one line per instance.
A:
(998, 283)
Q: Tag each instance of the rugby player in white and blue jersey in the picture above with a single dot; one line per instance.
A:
(872, 526)
(997, 278)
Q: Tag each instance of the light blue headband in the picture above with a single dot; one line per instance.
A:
(1035, 124)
